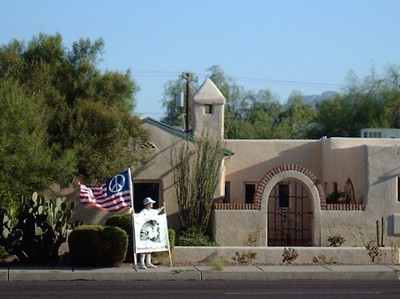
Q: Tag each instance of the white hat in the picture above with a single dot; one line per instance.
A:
(148, 200)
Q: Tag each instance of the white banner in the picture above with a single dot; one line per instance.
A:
(151, 233)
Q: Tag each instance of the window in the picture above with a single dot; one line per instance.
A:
(250, 189)
(398, 189)
(349, 192)
(208, 109)
(227, 198)
(335, 187)
(375, 134)
(141, 190)
(284, 202)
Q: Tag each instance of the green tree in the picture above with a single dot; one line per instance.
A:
(175, 115)
(296, 118)
(372, 102)
(26, 159)
(78, 120)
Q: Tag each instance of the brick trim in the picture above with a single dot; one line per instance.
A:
(270, 174)
(345, 207)
(234, 206)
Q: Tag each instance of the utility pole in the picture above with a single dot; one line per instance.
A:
(189, 78)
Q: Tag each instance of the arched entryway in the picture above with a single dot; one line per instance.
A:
(290, 215)
(291, 197)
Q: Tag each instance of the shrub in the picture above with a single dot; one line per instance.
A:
(195, 238)
(172, 238)
(374, 251)
(336, 240)
(95, 245)
(245, 258)
(124, 222)
(289, 255)
(9, 200)
(218, 263)
(114, 244)
(3, 254)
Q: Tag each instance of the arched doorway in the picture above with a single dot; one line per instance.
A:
(290, 215)
(291, 197)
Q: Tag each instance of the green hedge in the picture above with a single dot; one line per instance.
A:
(124, 222)
(96, 245)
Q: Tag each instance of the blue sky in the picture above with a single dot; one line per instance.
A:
(284, 46)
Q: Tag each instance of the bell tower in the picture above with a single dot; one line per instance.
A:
(208, 110)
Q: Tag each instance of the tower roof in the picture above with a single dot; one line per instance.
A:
(208, 93)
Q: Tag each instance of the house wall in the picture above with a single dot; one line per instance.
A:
(344, 158)
(383, 171)
(254, 158)
(159, 169)
(372, 165)
(238, 228)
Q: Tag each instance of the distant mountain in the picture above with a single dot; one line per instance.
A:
(313, 99)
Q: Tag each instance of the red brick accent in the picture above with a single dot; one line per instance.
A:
(345, 207)
(234, 206)
(270, 174)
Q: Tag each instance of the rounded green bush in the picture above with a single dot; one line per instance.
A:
(96, 245)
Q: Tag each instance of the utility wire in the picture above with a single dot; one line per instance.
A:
(171, 74)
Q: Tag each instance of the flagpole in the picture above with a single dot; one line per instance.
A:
(133, 220)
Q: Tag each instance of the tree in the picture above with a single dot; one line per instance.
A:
(196, 176)
(296, 118)
(27, 160)
(74, 120)
(369, 103)
(175, 115)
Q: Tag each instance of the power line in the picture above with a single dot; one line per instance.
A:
(170, 74)
(295, 82)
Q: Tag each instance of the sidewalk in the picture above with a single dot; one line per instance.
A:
(201, 273)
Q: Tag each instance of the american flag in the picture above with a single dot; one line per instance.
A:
(112, 196)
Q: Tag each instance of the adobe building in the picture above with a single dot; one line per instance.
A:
(280, 192)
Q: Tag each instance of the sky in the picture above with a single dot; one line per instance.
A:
(307, 46)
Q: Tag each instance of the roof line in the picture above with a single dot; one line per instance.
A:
(178, 132)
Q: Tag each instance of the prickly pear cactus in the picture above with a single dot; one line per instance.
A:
(9, 234)
(44, 225)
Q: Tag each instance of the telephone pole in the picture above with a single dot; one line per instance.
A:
(189, 78)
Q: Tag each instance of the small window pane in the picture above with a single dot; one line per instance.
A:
(284, 196)
(398, 189)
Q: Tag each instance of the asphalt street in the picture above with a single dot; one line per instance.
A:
(202, 289)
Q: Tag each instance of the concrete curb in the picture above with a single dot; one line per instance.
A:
(203, 273)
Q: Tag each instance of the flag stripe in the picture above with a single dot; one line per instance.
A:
(102, 198)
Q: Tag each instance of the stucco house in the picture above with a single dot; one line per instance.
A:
(279, 192)
(282, 192)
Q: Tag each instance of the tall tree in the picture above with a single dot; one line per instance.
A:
(85, 114)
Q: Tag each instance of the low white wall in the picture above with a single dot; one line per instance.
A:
(185, 255)
(238, 227)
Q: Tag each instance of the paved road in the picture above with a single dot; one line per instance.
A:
(202, 289)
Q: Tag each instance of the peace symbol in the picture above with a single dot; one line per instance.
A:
(117, 183)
